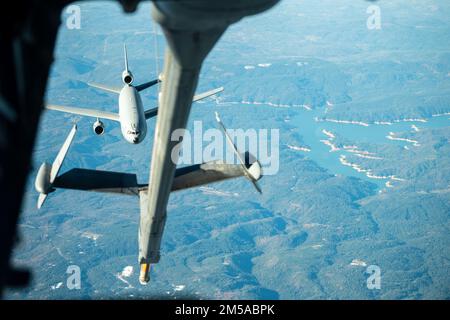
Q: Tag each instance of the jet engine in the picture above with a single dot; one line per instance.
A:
(98, 127)
(127, 77)
(42, 183)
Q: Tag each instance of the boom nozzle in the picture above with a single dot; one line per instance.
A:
(144, 276)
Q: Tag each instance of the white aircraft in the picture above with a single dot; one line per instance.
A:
(131, 116)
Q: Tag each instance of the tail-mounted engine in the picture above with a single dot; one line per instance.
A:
(127, 77)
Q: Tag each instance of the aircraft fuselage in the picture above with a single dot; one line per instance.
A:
(131, 112)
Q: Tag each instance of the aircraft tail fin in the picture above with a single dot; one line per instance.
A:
(125, 56)
(47, 173)
(251, 168)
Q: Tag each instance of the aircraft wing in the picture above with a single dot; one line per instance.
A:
(86, 112)
(46, 177)
(99, 181)
(104, 87)
(252, 175)
(153, 112)
(126, 183)
(207, 94)
(57, 163)
(209, 172)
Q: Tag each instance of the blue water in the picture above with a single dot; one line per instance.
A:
(311, 132)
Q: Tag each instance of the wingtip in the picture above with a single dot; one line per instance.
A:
(41, 200)
(257, 187)
(217, 116)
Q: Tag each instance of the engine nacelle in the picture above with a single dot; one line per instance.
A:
(98, 127)
(127, 77)
(42, 183)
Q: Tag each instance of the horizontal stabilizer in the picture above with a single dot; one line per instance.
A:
(207, 94)
(104, 87)
(150, 113)
(147, 85)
